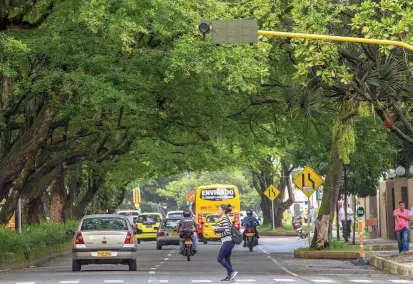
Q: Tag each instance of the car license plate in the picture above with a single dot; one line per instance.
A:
(148, 226)
(250, 234)
(104, 253)
(188, 242)
(174, 233)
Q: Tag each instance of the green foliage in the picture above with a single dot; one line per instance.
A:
(35, 236)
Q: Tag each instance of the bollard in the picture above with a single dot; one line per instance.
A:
(362, 260)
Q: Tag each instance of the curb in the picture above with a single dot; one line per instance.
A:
(35, 257)
(326, 254)
(382, 247)
(390, 266)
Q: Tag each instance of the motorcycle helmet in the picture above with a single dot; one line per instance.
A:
(187, 213)
(249, 212)
(299, 217)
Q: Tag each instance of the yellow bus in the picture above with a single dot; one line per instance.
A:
(207, 200)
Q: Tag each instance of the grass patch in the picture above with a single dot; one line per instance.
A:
(286, 228)
(35, 236)
(335, 246)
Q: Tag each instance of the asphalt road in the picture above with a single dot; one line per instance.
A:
(271, 262)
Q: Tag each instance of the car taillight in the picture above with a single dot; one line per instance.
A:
(79, 239)
(249, 230)
(200, 218)
(160, 234)
(129, 238)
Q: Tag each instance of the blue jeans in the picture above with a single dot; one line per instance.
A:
(403, 239)
(224, 255)
(194, 240)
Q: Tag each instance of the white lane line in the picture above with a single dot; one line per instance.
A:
(323, 281)
(166, 259)
(277, 263)
(400, 281)
(201, 281)
(162, 262)
(151, 272)
(153, 268)
(169, 254)
(158, 281)
(244, 280)
(26, 283)
(284, 280)
(361, 281)
(69, 281)
(113, 281)
(157, 265)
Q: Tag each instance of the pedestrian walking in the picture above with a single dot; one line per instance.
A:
(224, 255)
(346, 225)
(401, 226)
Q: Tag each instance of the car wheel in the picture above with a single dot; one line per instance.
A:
(158, 246)
(205, 242)
(132, 265)
(139, 241)
(76, 266)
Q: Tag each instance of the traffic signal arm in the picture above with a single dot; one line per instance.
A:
(337, 38)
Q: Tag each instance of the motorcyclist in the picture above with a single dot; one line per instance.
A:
(187, 223)
(250, 222)
(298, 223)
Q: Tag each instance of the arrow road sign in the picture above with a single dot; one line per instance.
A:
(308, 181)
(271, 192)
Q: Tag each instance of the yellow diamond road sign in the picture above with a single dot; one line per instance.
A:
(308, 181)
(272, 192)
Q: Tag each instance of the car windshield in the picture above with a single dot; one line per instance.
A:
(149, 219)
(104, 224)
(170, 223)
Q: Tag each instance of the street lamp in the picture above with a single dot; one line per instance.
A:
(391, 173)
(400, 171)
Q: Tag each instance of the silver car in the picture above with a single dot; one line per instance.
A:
(104, 239)
(167, 234)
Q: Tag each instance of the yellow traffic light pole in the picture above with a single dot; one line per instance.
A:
(337, 38)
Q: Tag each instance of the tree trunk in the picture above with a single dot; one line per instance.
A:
(58, 196)
(323, 223)
(13, 163)
(9, 207)
(94, 183)
(33, 210)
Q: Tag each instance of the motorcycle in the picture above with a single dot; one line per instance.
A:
(188, 245)
(300, 233)
(250, 238)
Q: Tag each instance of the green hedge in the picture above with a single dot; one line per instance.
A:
(35, 236)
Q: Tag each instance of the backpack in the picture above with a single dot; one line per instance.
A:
(250, 222)
(236, 235)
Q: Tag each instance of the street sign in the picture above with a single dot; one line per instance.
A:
(234, 31)
(190, 197)
(360, 212)
(319, 193)
(271, 192)
(308, 181)
(136, 193)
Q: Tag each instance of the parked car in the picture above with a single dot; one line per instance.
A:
(175, 214)
(147, 226)
(167, 234)
(104, 239)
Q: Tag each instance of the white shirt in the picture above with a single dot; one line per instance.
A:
(350, 214)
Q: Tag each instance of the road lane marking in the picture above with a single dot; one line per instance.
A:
(401, 281)
(69, 281)
(201, 281)
(26, 283)
(166, 259)
(113, 281)
(323, 281)
(244, 280)
(153, 268)
(284, 280)
(361, 281)
(162, 262)
(277, 263)
(151, 272)
(169, 254)
(157, 265)
(158, 281)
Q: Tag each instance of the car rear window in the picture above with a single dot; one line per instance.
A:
(170, 223)
(104, 224)
(148, 219)
(176, 215)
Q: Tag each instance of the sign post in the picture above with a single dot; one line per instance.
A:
(308, 181)
(272, 193)
(362, 260)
